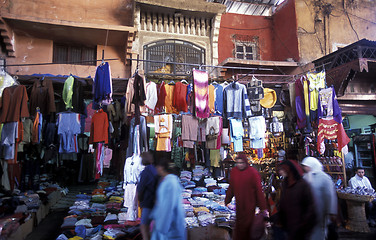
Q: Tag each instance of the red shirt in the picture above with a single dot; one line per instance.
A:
(99, 127)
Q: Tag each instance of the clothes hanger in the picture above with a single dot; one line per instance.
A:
(184, 81)
(172, 82)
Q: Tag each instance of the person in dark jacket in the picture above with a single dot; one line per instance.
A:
(146, 189)
(297, 207)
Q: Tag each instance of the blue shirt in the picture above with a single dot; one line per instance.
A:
(218, 104)
(168, 213)
(147, 186)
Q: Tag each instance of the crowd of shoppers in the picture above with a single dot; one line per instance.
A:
(306, 204)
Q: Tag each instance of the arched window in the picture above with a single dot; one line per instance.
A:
(172, 51)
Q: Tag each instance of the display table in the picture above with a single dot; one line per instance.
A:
(357, 220)
(208, 233)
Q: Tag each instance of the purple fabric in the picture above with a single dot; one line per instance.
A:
(299, 104)
(337, 113)
(201, 90)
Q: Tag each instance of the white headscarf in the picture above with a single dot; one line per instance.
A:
(315, 166)
(313, 163)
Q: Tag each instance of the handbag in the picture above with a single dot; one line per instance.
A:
(258, 227)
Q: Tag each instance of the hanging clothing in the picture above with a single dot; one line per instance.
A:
(331, 130)
(107, 157)
(151, 96)
(68, 129)
(132, 171)
(168, 212)
(78, 103)
(99, 159)
(189, 130)
(201, 91)
(139, 95)
(212, 132)
(257, 129)
(68, 92)
(215, 158)
(190, 99)
(102, 85)
(180, 97)
(236, 102)
(6, 80)
(306, 98)
(316, 83)
(13, 104)
(9, 134)
(37, 127)
(161, 90)
(89, 115)
(42, 96)
(142, 141)
(163, 130)
(27, 130)
(211, 98)
(299, 104)
(328, 105)
(170, 108)
(218, 103)
(237, 132)
(99, 127)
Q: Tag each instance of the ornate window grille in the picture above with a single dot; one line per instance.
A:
(166, 51)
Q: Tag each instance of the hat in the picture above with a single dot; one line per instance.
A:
(270, 98)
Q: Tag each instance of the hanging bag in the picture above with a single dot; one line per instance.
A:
(258, 227)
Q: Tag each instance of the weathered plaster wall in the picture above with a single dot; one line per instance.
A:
(285, 39)
(323, 26)
(114, 12)
(34, 50)
(252, 26)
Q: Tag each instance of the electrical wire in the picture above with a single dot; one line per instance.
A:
(247, 29)
(357, 36)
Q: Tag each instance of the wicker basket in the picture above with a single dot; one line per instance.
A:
(355, 197)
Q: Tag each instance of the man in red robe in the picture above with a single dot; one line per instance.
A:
(245, 185)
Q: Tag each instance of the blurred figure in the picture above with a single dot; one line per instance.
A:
(297, 208)
(146, 189)
(245, 185)
(325, 196)
(168, 212)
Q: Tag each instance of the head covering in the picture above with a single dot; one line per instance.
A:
(270, 98)
(313, 163)
(293, 171)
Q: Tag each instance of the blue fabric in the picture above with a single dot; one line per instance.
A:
(8, 139)
(237, 132)
(168, 212)
(147, 186)
(145, 216)
(102, 83)
(68, 127)
(80, 231)
(218, 104)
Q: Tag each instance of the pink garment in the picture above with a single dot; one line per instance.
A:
(201, 90)
(107, 157)
(99, 160)
(89, 114)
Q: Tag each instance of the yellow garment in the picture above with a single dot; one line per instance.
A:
(306, 97)
(75, 238)
(200, 209)
(211, 98)
(270, 98)
(169, 98)
(316, 82)
(215, 157)
(163, 131)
